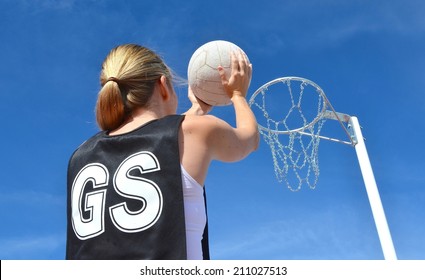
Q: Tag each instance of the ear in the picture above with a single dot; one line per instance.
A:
(164, 88)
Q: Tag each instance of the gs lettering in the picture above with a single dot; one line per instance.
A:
(125, 185)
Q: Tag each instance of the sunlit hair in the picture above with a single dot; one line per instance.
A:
(128, 78)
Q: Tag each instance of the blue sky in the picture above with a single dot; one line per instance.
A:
(368, 56)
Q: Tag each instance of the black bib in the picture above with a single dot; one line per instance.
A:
(125, 198)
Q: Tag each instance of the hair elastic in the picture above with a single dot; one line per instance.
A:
(113, 79)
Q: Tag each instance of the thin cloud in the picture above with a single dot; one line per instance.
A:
(312, 238)
(331, 23)
(38, 6)
(276, 240)
(31, 247)
(31, 197)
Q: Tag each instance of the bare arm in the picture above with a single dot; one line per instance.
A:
(204, 137)
(234, 144)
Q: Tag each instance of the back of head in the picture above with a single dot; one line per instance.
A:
(128, 78)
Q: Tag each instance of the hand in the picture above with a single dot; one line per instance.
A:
(199, 107)
(240, 76)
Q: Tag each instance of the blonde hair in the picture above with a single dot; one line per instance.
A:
(128, 78)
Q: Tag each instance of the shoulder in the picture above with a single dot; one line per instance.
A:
(206, 123)
(210, 120)
(88, 144)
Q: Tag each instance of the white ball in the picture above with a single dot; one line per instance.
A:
(202, 73)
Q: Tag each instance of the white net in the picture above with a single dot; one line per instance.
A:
(290, 114)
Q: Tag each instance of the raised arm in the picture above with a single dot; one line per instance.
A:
(206, 137)
(236, 143)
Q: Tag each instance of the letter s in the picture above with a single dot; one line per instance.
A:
(140, 189)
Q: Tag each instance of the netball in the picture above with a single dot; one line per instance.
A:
(202, 73)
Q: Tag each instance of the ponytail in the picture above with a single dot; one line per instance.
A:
(110, 107)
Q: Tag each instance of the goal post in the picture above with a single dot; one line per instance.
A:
(291, 112)
(372, 192)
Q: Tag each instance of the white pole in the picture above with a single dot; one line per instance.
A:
(373, 194)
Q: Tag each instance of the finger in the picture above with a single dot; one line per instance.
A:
(190, 93)
(249, 72)
(222, 74)
(245, 57)
(242, 62)
(234, 61)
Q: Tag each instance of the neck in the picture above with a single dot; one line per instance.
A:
(156, 109)
(137, 118)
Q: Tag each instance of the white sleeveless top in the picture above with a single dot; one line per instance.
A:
(195, 215)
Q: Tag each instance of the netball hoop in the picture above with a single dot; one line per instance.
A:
(291, 113)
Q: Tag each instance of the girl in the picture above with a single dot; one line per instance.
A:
(135, 189)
